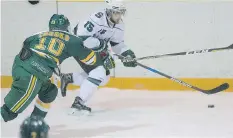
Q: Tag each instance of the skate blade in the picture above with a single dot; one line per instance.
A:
(76, 112)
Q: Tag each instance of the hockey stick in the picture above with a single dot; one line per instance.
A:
(188, 53)
(220, 88)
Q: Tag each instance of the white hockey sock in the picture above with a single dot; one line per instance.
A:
(87, 89)
(78, 78)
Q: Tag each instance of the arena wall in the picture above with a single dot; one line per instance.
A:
(154, 27)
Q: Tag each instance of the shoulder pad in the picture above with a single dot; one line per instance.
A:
(99, 18)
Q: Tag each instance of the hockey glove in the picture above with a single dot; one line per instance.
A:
(129, 60)
(109, 62)
(65, 80)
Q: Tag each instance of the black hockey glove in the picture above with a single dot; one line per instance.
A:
(129, 60)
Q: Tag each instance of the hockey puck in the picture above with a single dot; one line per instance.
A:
(33, 2)
(210, 106)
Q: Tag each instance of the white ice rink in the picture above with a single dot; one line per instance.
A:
(138, 114)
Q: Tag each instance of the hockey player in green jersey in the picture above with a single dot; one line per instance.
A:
(40, 56)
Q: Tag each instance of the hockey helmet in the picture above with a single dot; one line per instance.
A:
(34, 127)
(59, 22)
(115, 10)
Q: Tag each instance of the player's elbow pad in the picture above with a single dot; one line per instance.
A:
(95, 44)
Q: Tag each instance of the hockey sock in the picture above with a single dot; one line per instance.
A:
(41, 109)
(87, 89)
(78, 78)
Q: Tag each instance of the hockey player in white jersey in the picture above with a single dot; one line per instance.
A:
(106, 25)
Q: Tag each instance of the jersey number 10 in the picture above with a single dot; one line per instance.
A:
(55, 46)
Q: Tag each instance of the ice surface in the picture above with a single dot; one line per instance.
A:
(138, 114)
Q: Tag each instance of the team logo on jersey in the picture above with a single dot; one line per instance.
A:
(102, 31)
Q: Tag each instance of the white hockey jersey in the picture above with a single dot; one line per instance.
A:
(97, 26)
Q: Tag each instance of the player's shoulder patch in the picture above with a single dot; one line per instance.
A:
(98, 18)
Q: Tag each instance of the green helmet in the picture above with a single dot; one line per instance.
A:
(34, 127)
(59, 22)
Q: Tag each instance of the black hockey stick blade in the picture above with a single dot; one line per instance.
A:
(231, 46)
(220, 88)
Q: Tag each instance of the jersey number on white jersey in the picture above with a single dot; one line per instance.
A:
(89, 25)
(99, 14)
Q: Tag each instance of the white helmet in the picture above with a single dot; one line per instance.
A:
(115, 10)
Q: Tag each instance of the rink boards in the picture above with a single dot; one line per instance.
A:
(149, 83)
